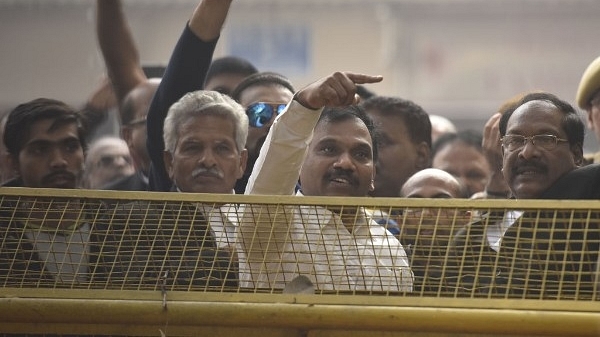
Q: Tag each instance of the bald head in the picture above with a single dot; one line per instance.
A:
(432, 183)
(134, 109)
(137, 102)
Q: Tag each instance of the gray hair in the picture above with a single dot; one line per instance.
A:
(205, 103)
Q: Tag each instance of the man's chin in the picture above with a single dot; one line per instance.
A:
(343, 192)
(64, 184)
(208, 188)
(528, 191)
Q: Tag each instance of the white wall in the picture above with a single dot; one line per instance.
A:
(459, 58)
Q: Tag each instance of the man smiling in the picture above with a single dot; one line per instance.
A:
(541, 254)
(541, 141)
(327, 142)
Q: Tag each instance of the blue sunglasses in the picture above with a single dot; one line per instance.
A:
(261, 113)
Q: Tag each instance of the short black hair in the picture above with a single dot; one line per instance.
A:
(571, 120)
(262, 79)
(469, 137)
(230, 65)
(415, 118)
(340, 114)
(364, 93)
(21, 118)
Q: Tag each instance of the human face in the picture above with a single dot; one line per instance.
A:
(531, 170)
(593, 115)
(224, 83)
(339, 161)
(431, 226)
(270, 93)
(107, 162)
(398, 157)
(464, 162)
(50, 158)
(206, 159)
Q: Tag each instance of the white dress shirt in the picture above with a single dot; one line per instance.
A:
(278, 243)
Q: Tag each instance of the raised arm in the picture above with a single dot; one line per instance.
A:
(208, 19)
(496, 186)
(185, 73)
(278, 166)
(118, 48)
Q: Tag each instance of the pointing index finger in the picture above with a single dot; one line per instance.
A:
(363, 78)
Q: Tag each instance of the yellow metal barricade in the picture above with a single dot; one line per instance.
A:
(77, 262)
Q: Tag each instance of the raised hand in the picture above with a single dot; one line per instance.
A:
(491, 142)
(496, 186)
(337, 89)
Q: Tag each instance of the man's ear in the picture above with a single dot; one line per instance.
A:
(423, 156)
(168, 161)
(243, 163)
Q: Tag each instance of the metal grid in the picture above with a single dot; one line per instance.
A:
(177, 242)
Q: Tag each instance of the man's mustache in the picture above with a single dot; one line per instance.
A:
(212, 171)
(525, 165)
(343, 174)
(50, 177)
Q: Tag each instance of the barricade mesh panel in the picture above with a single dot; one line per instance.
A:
(99, 240)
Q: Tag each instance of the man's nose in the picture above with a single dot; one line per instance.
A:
(207, 158)
(529, 150)
(57, 158)
(344, 161)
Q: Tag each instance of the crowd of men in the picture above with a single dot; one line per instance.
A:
(221, 126)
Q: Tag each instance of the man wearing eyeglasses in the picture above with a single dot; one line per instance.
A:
(541, 254)
(264, 96)
(133, 130)
(541, 141)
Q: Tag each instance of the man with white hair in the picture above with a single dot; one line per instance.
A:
(196, 144)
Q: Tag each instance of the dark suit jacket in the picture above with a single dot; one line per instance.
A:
(582, 183)
(151, 245)
(472, 263)
(543, 255)
(20, 263)
(554, 254)
(141, 245)
(134, 182)
(550, 255)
